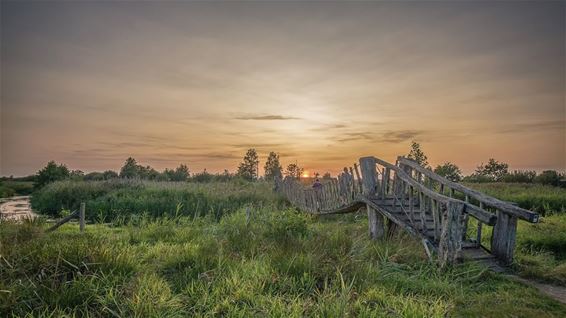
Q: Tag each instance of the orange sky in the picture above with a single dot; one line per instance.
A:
(322, 83)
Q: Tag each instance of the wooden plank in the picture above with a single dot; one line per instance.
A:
(490, 201)
(64, 220)
(450, 243)
(376, 223)
(503, 239)
(82, 217)
(356, 169)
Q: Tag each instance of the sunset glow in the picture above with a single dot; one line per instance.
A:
(321, 83)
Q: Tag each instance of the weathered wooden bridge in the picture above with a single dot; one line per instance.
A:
(430, 207)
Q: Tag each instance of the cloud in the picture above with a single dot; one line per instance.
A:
(536, 126)
(363, 135)
(265, 117)
(328, 127)
(400, 135)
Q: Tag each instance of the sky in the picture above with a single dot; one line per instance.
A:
(322, 83)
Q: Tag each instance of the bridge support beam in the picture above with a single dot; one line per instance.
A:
(450, 243)
(376, 222)
(503, 239)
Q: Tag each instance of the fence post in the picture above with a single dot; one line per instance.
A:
(450, 243)
(82, 217)
(503, 239)
(376, 223)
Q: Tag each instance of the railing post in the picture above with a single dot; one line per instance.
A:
(82, 217)
(450, 243)
(376, 223)
(503, 239)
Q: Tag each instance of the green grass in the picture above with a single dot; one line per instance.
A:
(263, 263)
(11, 188)
(126, 199)
(538, 198)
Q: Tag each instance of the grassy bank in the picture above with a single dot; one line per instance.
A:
(539, 198)
(12, 188)
(272, 263)
(124, 199)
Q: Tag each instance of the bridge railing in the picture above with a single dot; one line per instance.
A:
(333, 194)
(437, 218)
(503, 215)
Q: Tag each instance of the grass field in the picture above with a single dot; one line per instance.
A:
(11, 188)
(280, 263)
(155, 257)
(536, 197)
(125, 199)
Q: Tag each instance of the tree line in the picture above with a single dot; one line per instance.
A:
(492, 171)
(248, 169)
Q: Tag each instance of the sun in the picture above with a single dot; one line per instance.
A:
(305, 174)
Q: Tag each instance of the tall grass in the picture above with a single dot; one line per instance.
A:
(260, 263)
(543, 199)
(124, 199)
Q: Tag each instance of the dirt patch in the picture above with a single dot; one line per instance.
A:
(556, 292)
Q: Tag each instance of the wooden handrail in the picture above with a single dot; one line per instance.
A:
(480, 214)
(502, 206)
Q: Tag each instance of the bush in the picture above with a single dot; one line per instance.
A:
(519, 176)
(549, 177)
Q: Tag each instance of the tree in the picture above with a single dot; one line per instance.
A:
(109, 174)
(549, 177)
(493, 170)
(450, 171)
(272, 167)
(181, 173)
(294, 171)
(327, 176)
(416, 154)
(50, 173)
(130, 169)
(520, 176)
(248, 168)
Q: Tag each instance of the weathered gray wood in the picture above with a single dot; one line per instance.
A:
(450, 243)
(360, 186)
(490, 201)
(422, 210)
(376, 223)
(63, 221)
(82, 217)
(503, 239)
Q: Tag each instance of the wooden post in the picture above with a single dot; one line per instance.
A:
(82, 217)
(376, 223)
(503, 239)
(451, 237)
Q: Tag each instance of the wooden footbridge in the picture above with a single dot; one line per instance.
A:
(437, 211)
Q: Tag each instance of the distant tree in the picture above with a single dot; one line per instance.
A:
(450, 171)
(520, 176)
(272, 167)
(94, 176)
(294, 171)
(203, 176)
(327, 176)
(181, 173)
(148, 173)
(76, 175)
(50, 173)
(493, 170)
(130, 169)
(549, 177)
(248, 168)
(417, 154)
(109, 174)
